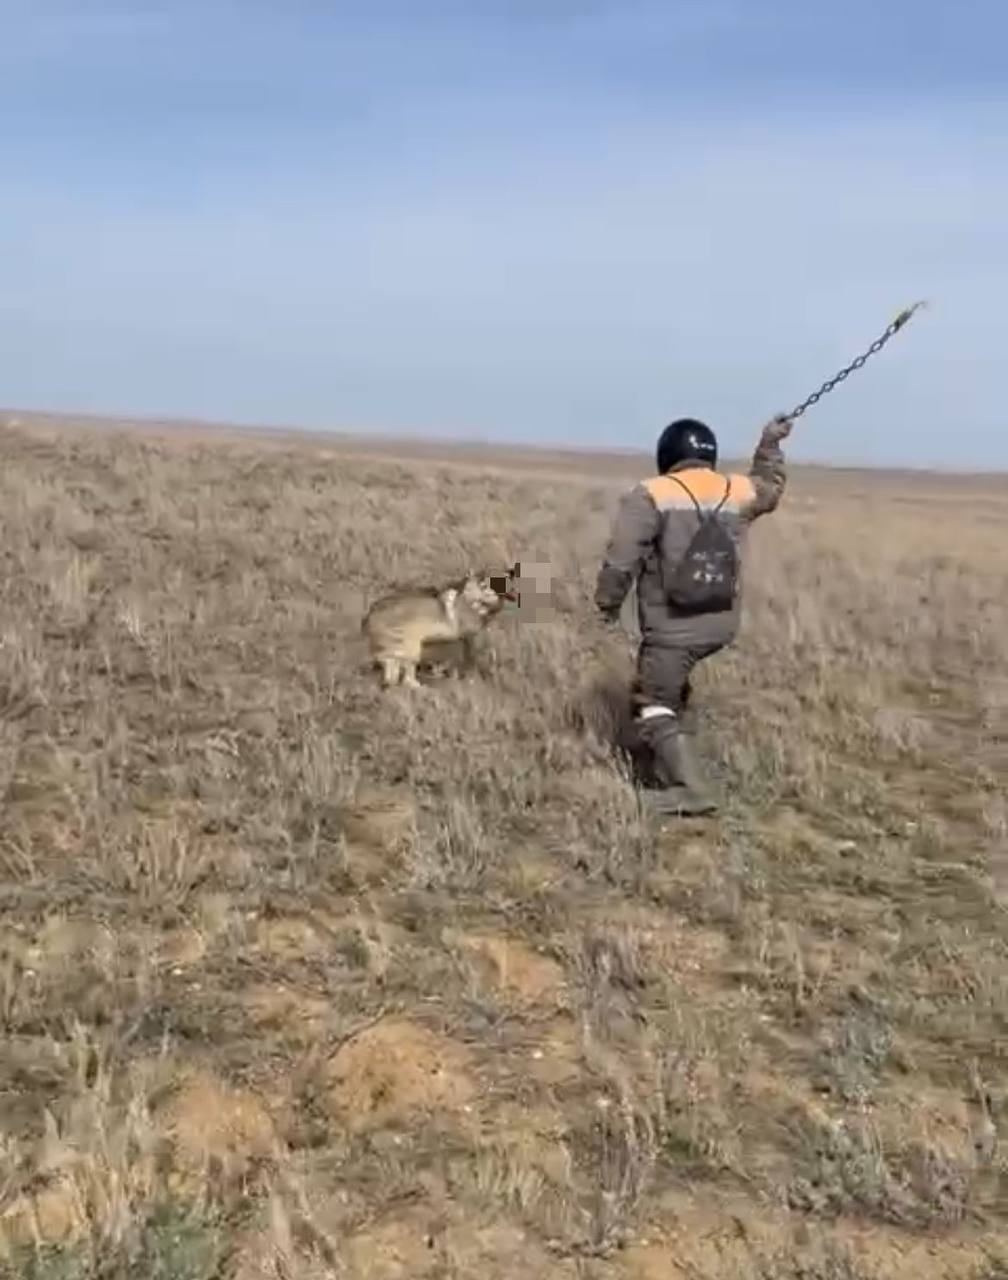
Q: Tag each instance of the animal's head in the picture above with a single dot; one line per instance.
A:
(481, 593)
(506, 584)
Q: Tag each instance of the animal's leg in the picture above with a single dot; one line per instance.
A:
(409, 660)
(469, 663)
(390, 672)
(450, 608)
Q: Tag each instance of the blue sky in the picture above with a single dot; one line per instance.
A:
(539, 220)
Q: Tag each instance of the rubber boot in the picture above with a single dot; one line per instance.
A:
(683, 793)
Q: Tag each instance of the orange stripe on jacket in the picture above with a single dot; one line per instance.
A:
(706, 486)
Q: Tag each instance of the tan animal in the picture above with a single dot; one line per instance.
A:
(398, 626)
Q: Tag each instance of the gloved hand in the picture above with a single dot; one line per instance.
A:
(776, 430)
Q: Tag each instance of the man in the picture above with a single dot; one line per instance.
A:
(654, 526)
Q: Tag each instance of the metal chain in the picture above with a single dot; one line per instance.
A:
(877, 345)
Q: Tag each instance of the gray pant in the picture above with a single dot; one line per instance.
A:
(660, 700)
(663, 678)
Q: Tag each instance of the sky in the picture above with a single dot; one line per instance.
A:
(546, 221)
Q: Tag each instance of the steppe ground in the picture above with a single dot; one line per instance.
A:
(301, 981)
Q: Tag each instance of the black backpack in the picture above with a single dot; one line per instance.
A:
(706, 578)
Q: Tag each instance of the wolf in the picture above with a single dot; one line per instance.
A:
(399, 626)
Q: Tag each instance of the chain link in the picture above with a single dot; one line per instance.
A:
(877, 345)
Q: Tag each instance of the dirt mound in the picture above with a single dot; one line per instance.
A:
(296, 1016)
(727, 1238)
(554, 1052)
(426, 1243)
(208, 1121)
(693, 955)
(873, 1257)
(394, 1071)
(512, 967)
(377, 829)
(180, 948)
(270, 1253)
(63, 942)
(289, 938)
(382, 818)
(51, 1216)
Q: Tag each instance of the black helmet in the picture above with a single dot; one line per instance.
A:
(686, 440)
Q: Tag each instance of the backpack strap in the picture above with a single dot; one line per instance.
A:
(689, 494)
(696, 505)
(727, 495)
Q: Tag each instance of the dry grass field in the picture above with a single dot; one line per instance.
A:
(302, 981)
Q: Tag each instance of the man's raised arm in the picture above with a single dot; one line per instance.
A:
(767, 472)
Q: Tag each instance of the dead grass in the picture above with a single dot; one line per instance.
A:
(297, 980)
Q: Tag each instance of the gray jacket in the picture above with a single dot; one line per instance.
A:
(633, 553)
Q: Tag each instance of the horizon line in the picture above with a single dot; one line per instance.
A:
(386, 437)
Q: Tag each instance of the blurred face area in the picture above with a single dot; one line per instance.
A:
(533, 586)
